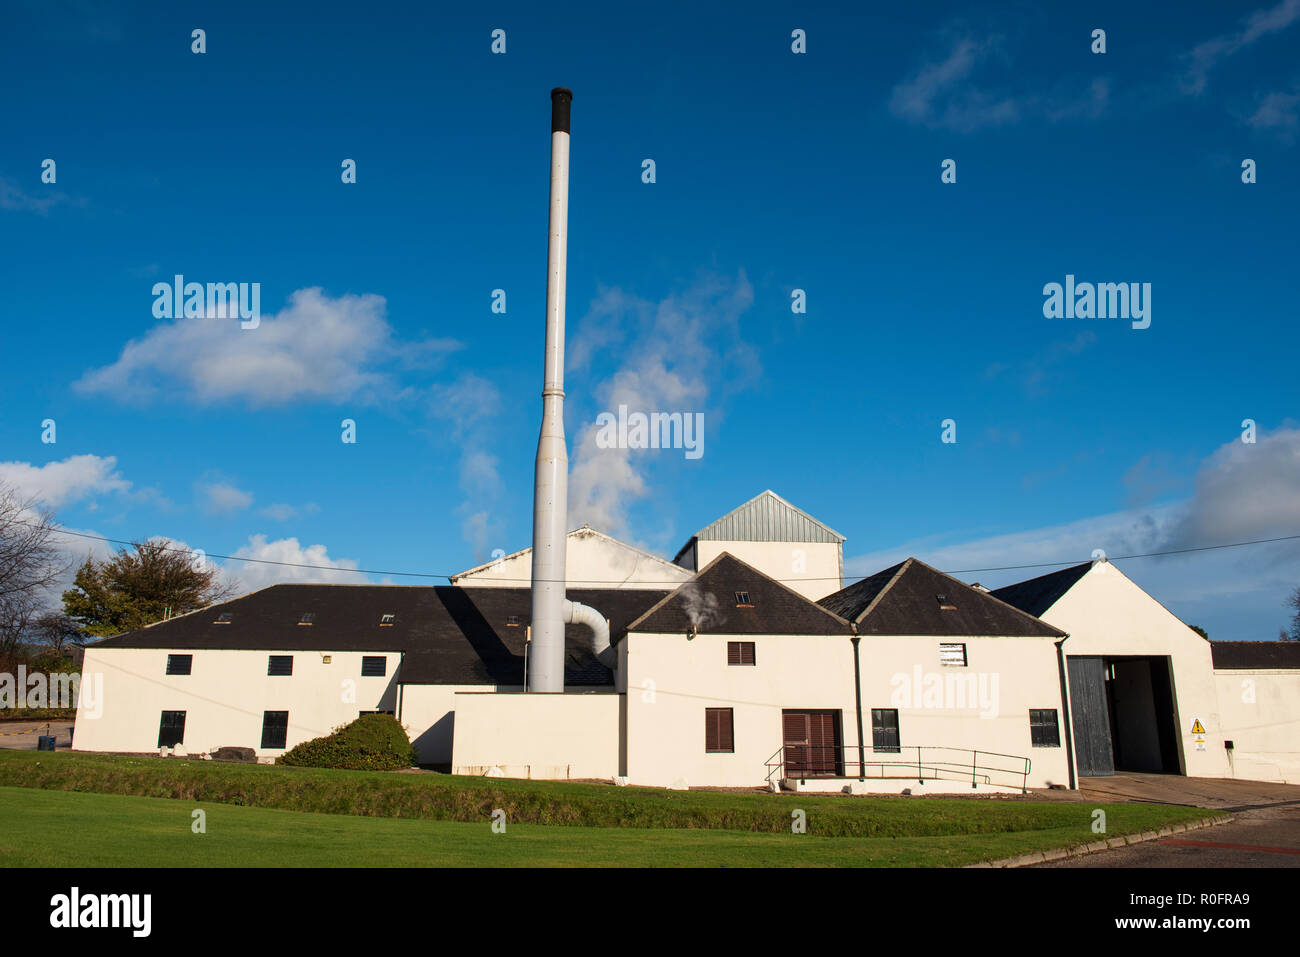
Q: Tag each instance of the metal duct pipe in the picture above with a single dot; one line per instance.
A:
(550, 485)
(576, 613)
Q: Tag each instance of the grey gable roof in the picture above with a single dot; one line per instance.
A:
(766, 517)
(1235, 655)
(448, 634)
(1039, 594)
(903, 600)
(709, 602)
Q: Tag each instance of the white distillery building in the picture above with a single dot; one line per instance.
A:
(726, 675)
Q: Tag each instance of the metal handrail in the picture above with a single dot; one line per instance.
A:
(837, 764)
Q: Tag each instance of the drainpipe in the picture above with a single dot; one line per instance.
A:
(1065, 709)
(857, 692)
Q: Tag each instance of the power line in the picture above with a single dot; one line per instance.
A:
(371, 571)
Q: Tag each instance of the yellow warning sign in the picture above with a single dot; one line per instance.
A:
(1196, 727)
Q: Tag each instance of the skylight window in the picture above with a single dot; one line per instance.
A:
(512, 621)
(307, 618)
(387, 621)
(742, 600)
(223, 618)
(945, 604)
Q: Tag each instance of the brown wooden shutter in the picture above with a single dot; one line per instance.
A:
(718, 734)
(740, 652)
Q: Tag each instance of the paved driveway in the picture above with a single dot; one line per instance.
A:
(22, 735)
(1264, 832)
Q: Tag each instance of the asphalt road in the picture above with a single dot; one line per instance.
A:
(22, 735)
(1264, 831)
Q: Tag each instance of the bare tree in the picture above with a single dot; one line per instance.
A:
(29, 565)
(1293, 602)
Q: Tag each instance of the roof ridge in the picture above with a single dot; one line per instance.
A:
(902, 567)
(989, 594)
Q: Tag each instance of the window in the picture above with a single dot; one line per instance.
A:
(1044, 732)
(742, 600)
(884, 730)
(279, 665)
(952, 654)
(307, 618)
(179, 664)
(374, 666)
(223, 618)
(945, 604)
(740, 652)
(512, 621)
(387, 621)
(275, 728)
(718, 737)
(171, 729)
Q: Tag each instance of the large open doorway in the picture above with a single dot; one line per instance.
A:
(1122, 711)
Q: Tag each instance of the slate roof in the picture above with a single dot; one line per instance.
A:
(903, 600)
(1230, 655)
(449, 635)
(1039, 594)
(709, 601)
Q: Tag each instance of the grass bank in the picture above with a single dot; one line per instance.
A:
(448, 798)
(117, 831)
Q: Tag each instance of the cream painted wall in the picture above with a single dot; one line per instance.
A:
(1105, 613)
(429, 714)
(1259, 712)
(548, 736)
(592, 560)
(125, 691)
(672, 680)
(813, 569)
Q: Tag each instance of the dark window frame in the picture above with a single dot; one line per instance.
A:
(886, 734)
(743, 600)
(368, 666)
(1042, 732)
(736, 653)
(174, 664)
(275, 666)
(274, 729)
(719, 731)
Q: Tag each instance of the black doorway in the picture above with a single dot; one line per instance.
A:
(1123, 716)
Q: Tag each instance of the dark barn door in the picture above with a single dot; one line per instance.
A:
(1090, 716)
(811, 743)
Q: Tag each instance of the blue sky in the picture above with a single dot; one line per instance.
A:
(775, 171)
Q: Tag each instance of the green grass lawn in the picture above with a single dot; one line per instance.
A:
(61, 829)
(136, 811)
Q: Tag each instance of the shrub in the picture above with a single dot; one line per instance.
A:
(373, 742)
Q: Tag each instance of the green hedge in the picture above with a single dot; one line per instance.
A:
(373, 742)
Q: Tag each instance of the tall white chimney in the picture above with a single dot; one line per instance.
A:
(551, 483)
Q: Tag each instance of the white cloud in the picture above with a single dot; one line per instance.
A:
(1204, 57)
(69, 480)
(317, 348)
(14, 197)
(670, 355)
(252, 575)
(1241, 493)
(947, 93)
(221, 498)
(1279, 112)
(466, 406)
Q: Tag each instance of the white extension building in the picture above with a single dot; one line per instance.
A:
(726, 675)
